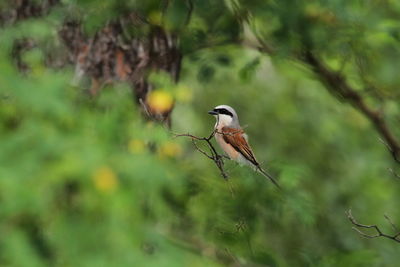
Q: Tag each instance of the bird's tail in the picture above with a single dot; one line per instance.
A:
(267, 175)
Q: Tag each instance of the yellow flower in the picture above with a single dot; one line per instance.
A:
(160, 101)
(105, 180)
(170, 149)
(136, 146)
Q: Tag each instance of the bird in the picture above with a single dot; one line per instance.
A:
(233, 140)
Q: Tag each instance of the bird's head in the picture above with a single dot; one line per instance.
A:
(225, 115)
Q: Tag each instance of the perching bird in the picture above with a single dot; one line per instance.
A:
(233, 140)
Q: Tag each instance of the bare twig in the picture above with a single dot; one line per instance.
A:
(394, 227)
(201, 151)
(234, 258)
(190, 11)
(385, 143)
(241, 225)
(378, 231)
(214, 156)
(144, 107)
(218, 158)
(395, 174)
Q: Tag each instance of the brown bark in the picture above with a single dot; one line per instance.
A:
(24, 9)
(108, 57)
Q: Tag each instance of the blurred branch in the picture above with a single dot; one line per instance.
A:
(338, 86)
(199, 247)
(378, 231)
(214, 156)
(190, 6)
(235, 260)
(395, 174)
(394, 227)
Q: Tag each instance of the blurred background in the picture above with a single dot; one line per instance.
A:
(92, 93)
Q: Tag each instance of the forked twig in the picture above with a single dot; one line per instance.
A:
(378, 231)
(394, 227)
(219, 159)
(214, 156)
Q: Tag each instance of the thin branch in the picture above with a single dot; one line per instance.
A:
(214, 156)
(394, 227)
(218, 158)
(395, 174)
(190, 6)
(338, 85)
(146, 110)
(234, 258)
(201, 151)
(385, 144)
(378, 231)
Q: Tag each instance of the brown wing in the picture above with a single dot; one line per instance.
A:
(235, 138)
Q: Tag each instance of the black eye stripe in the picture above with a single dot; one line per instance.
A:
(223, 111)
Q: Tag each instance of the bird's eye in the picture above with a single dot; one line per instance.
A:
(224, 111)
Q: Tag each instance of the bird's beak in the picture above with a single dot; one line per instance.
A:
(212, 112)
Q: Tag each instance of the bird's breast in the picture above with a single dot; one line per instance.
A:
(226, 147)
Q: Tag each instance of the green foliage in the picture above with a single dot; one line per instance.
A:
(89, 182)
